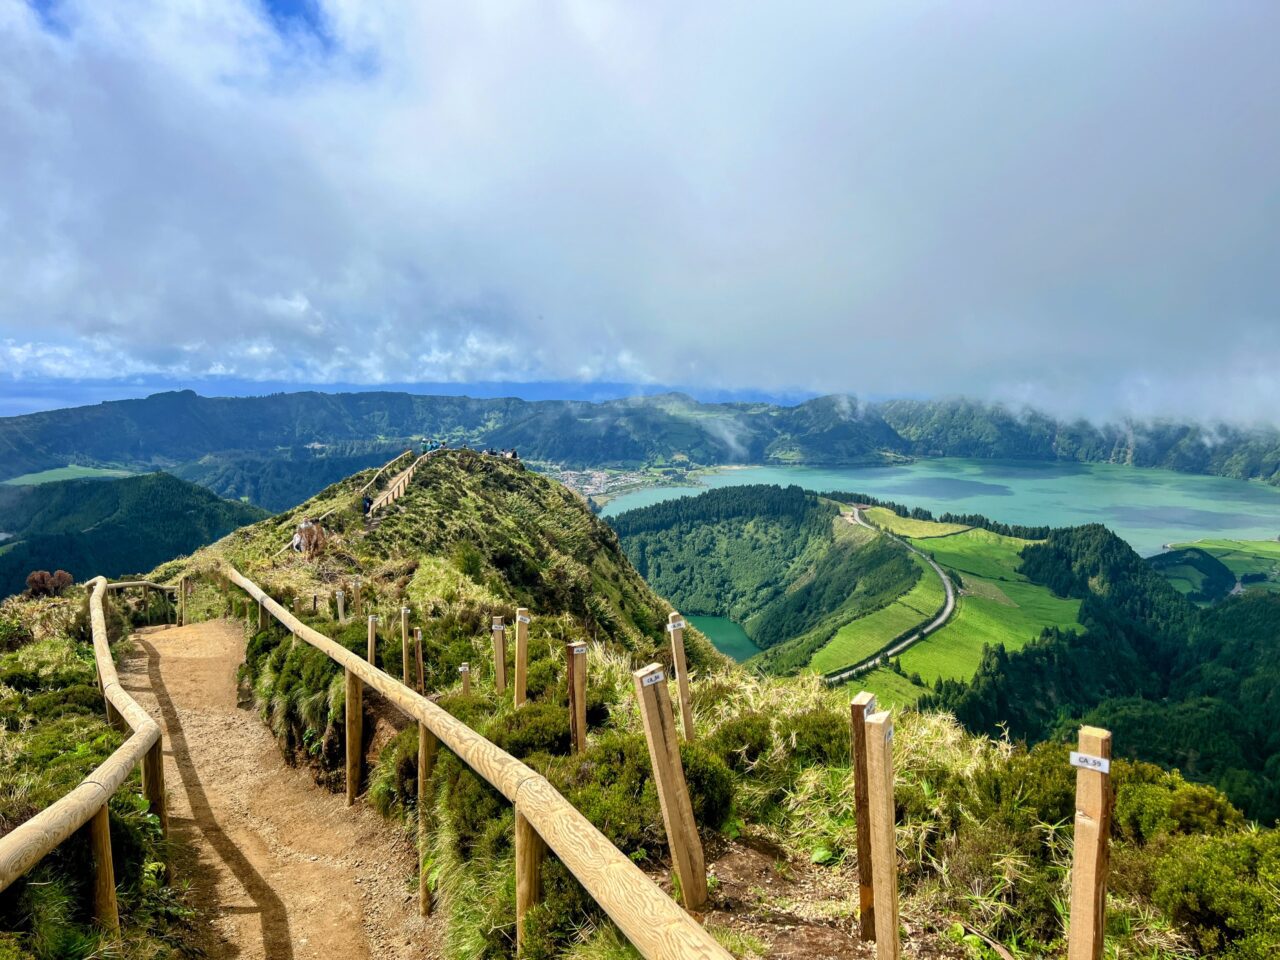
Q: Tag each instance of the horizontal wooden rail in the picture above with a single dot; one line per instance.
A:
(653, 922)
(399, 483)
(127, 584)
(27, 844)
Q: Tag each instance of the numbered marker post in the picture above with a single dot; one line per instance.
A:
(675, 626)
(373, 639)
(342, 613)
(1092, 852)
(522, 654)
(659, 724)
(864, 704)
(417, 642)
(884, 851)
(576, 653)
(499, 655)
(404, 646)
(464, 672)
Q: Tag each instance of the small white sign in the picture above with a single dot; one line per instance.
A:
(675, 625)
(522, 619)
(498, 628)
(579, 649)
(464, 669)
(1086, 762)
(656, 677)
(870, 708)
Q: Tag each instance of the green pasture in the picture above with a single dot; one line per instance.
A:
(980, 553)
(66, 473)
(891, 689)
(1243, 558)
(906, 527)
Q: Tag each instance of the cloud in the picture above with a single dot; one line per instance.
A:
(1069, 205)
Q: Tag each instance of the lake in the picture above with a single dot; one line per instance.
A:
(1147, 507)
(729, 638)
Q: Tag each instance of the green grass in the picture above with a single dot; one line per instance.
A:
(892, 690)
(906, 527)
(66, 473)
(863, 637)
(977, 552)
(1243, 558)
(1184, 578)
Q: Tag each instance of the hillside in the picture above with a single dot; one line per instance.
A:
(279, 449)
(769, 772)
(109, 527)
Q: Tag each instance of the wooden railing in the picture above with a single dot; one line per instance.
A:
(27, 844)
(655, 924)
(398, 485)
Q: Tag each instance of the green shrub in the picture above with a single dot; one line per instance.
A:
(821, 736)
(742, 740)
(534, 728)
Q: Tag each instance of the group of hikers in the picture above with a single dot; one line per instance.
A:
(308, 539)
(504, 454)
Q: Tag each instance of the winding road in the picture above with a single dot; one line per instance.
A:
(948, 607)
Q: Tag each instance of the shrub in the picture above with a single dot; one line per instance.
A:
(534, 728)
(742, 740)
(821, 736)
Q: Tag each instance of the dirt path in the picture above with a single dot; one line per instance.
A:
(280, 867)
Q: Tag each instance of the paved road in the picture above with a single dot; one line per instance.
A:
(943, 616)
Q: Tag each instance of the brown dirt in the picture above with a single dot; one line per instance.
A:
(278, 867)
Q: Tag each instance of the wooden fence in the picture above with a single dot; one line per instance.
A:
(27, 844)
(398, 485)
(654, 923)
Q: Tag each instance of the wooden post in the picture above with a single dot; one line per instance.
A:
(404, 645)
(146, 602)
(577, 677)
(182, 601)
(673, 793)
(153, 784)
(522, 654)
(464, 671)
(315, 603)
(864, 704)
(422, 678)
(354, 734)
(342, 613)
(260, 618)
(105, 912)
(499, 655)
(884, 849)
(427, 744)
(1092, 852)
(675, 626)
(530, 849)
(373, 639)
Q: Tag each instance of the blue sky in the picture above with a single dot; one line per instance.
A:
(1070, 205)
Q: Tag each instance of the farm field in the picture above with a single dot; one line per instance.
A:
(66, 473)
(1244, 558)
(907, 527)
(861, 638)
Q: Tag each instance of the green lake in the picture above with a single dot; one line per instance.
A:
(729, 638)
(1147, 507)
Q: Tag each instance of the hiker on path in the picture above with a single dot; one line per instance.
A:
(368, 504)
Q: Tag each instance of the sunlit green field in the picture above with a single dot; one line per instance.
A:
(863, 637)
(906, 527)
(978, 552)
(65, 473)
(1243, 558)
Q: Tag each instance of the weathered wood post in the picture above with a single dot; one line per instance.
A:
(182, 601)
(105, 912)
(357, 603)
(864, 704)
(675, 626)
(427, 745)
(576, 654)
(153, 784)
(146, 602)
(673, 792)
(464, 671)
(354, 734)
(315, 603)
(342, 613)
(373, 639)
(499, 655)
(884, 849)
(422, 678)
(530, 850)
(404, 646)
(1092, 852)
(522, 654)
(260, 617)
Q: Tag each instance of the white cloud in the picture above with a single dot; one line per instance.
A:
(1070, 205)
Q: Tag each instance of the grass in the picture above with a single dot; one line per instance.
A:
(1243, 558)
(66, 473)
(891, 689)
(906, 527)
(862, 638)
(977, 552)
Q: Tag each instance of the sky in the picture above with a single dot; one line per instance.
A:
(1072, 206)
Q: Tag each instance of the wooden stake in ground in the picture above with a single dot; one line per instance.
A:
(182, 601)
(673, 792)
(105, 913)
(354, 734)
(417, 643)
(530, 849)
(499, 655)
(153, 784)
(427, 744)
(342, 613)
(864, 704)
(260, 616)
(1092, 855)
(373, 639)
(675, 626)
(576, 654)
(404, 645)
(464, 671)
(356, 603)
(884, 850)
(522, 654)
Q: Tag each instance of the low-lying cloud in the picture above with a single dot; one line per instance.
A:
(1074, 206)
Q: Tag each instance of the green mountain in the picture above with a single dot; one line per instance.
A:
(278, 449)
(109, 527)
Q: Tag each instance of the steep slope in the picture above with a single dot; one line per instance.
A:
(111, 527)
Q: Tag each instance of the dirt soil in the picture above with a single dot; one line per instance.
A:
(278, 867)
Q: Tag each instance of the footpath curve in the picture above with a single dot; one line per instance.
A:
(948, 608)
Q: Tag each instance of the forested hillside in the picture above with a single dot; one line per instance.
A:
(110, 527)
(280, 448)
